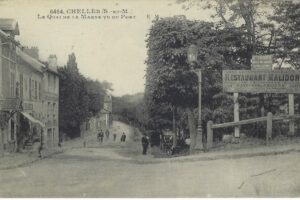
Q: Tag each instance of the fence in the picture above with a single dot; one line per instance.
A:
(269, 119)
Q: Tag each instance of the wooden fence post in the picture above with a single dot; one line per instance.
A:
(236, 114)
(269, 127)
(291, 113)
(209, 135)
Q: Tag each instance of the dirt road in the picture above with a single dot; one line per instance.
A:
(106, 171)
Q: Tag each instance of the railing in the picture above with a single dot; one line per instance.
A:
(269, 118)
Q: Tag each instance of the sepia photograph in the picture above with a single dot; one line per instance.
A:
(149, 98)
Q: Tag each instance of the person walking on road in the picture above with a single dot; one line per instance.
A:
(145, 144)
(123, 137)
(100, 136)
(107, 134)
(115, 137)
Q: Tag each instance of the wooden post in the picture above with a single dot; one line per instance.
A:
(209, 135)
(269, 127)
(236, 114)
(291, 113)
(1, 141)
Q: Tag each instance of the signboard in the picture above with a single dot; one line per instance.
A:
(262, 81)
(27, 106)
(9, 104)
(262, 62)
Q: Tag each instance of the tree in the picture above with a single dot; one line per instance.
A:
(266, 27)
(170, 80)
(80, 98)
(286, 42)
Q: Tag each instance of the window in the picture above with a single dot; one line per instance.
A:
(25, 85)
(35, 90)
(12, 130)
(48, 109)
(49, 83)
(12, 84)
(30, 88)
(54, 83)
(40, 91)
(5, 49)
(21, 86)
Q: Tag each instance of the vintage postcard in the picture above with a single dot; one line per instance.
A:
(149, 98)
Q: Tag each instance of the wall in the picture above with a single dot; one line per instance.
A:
(8, 79)
(50, 107)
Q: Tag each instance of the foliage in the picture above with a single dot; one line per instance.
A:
(241, 29)
(80, 98)
(129, 108)
(172, 82)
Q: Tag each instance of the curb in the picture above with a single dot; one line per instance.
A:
(217, 157)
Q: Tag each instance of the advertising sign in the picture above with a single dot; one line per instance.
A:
(261, 62)
(262, 81)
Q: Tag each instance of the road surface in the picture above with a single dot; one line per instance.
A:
(103, 171)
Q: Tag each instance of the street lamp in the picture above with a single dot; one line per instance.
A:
(192, 59)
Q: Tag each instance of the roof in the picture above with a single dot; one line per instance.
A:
(7, 36)
(7, 24)
(31, 61)
(53, 71)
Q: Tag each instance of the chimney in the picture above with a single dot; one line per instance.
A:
(52, 62)
(32, 51)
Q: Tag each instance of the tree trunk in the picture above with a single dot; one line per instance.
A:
(174, 126)
(192, 128)
(1, 142)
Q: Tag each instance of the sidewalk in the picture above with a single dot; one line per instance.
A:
(14, 160)
(231, 154)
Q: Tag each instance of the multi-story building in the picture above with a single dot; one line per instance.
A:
(106, 113)
(28, 94)
(51, 100)
(8, 87)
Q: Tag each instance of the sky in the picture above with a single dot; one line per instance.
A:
(106, 49)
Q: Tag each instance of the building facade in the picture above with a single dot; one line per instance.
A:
(29, 94)
(51, 101)
(106, 113)
(8, 94)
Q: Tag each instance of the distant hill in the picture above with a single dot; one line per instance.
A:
(127, 106)
(134, 98)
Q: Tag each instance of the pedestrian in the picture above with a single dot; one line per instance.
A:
(100, 136)
(145, 144)
(41, 147)
(115, 137)
(40, 151)
(107, 134)
(123, 137)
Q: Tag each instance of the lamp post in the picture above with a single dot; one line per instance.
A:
(192, 59)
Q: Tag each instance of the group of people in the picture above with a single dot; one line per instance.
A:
(100, 136)
(145, 139)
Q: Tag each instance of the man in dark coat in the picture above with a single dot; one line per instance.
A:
(145, 144)
(100, 136)
(123, 137)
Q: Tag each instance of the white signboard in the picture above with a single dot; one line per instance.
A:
(262, 81)
(262, 62)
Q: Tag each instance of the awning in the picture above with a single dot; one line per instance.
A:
(33, 120)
